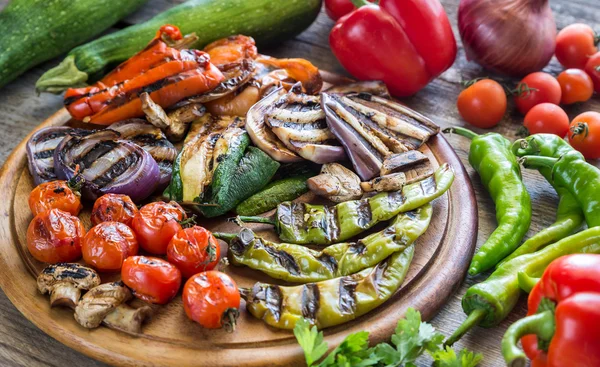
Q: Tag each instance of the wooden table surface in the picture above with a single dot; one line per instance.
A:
(21, 110)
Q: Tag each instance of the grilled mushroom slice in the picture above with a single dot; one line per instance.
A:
(106, 303)
(375, 87)
(336, 183)
(64, 282)
(372, 128)
(176, 122)
(399, 170)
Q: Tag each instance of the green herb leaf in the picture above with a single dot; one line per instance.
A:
(311, 341)
(353, 351)
(448, 358)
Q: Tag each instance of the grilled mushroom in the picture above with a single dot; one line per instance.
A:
(64, 282)
(399, 170)
(336, 183)
(176, 122)
(375, 87)
(106, 303)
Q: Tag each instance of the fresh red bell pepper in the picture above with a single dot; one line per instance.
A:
(563, 323)
(404, 43)
(336, 9)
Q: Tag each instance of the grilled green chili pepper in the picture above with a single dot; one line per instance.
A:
(489, 302)
(297, 263)
(491, 157)
(330, 302)
(276, 192)
(580, 178)
(303, 223)
(569, 216)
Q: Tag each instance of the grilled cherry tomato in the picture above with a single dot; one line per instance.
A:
(193, 250)
(155, 224)
(584, 134)
(55, 236)
(108, 244)
(55, 195)
(592, 68)
(113, 208)
(151, 279)
(575, 44)
(537, 88)
(547, 118)
(576, 86)
(482, 104)
(212, 299)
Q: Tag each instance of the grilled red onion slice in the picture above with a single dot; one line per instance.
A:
(108, 165)
(152, 140)
(40, 150)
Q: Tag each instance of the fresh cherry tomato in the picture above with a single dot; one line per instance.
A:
(584, 134)
(575, 44)
(212, 299)
(537, 88)
(547, 118)
(108, 244)
(576, 86)
(336, 9)
(113, 208)
(193, 250)
(592, 68)
(482, 104)
(151, 279)
(155, 224)
(55, 236)
(54, 195)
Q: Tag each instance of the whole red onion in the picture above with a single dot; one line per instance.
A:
(514, 37)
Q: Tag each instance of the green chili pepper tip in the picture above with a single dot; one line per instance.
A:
(461, 131)
(473, 319)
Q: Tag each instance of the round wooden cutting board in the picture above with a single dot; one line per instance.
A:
(170, 338)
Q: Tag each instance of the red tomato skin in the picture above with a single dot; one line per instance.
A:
(592, 68)
(151, 279)
(588, 144)
(54, 195)
(207, 296)
(547, 118)
(113, 208)
(189, 251)
(548, 91)
(155, 224)
(107, 245)
(574, 45)
(576, 86)
(55, 236)
(483, 104)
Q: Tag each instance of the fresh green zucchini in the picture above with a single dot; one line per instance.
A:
(268, 21)
(253, 172)
(34, 31)
(276, 192)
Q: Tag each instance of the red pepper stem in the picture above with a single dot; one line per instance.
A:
(541, 324)
(472, 320)
(359, 3)
(526, 283)
(461, 131)
(530, 161)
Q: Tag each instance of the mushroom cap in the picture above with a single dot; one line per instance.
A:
(99, 302)
(81, 277)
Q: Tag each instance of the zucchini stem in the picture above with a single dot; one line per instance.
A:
(264, 220)
(60, 78)
(472, 320)
(461, 131)
(541, 324)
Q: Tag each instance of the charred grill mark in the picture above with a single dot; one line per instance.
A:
(331, 225)
(428, 185)
(284, 213)
(413, 214)
(316, 125)
(116, 170)
(69, 270)
(310, 301)
(328, 261)
(44, 154)
(395, 198)
(51, 136)
(150, 140)
(357, 248)
(241, 242)
(347, 295)
(363, 213)
(281, 257)
(271, 296)
(379, 272)
(100, 149)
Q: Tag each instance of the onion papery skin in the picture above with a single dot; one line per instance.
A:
(512, 37)
(108, 165)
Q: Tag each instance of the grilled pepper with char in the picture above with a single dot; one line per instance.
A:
(163, 71)
(303, 223)
(330, 302)
(298, 263)
(491, 156)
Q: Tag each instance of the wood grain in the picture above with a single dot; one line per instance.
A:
(21, 110)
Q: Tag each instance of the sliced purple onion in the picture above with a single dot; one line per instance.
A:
(40, 150)
(108, 165)
(154, 141)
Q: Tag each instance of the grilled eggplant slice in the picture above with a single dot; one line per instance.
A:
(403, 161)
(374, 87)
(298, 120)
(399, 170)
(336, 183)
(372, 128)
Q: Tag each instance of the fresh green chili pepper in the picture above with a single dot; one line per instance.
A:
(330, 302)
(569, 216)
(298, 263)
(489, 302)
(491, 157)
(303, 223)
(580, 178)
